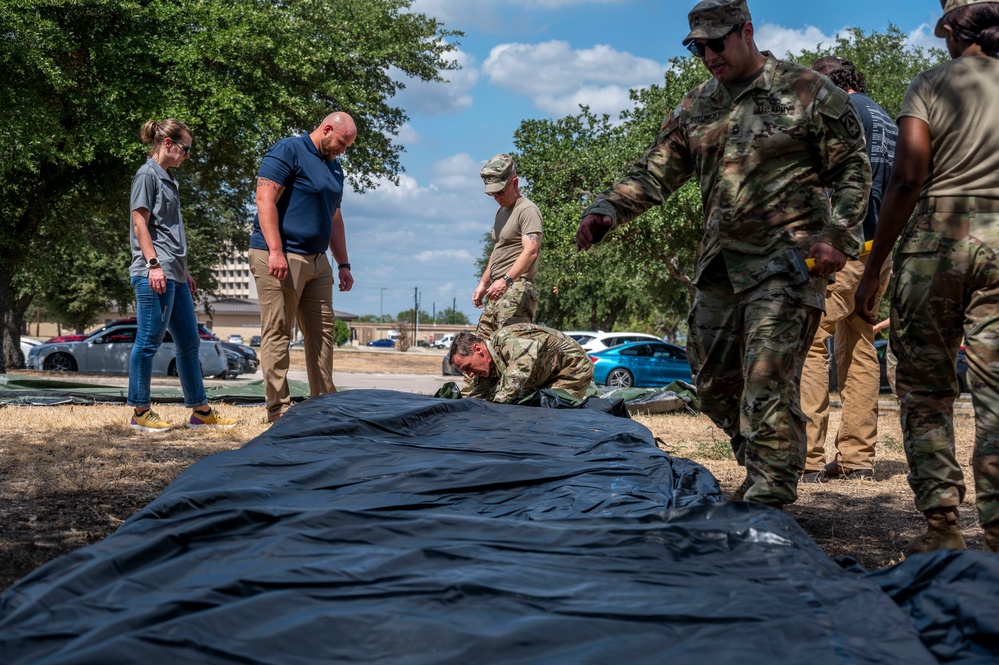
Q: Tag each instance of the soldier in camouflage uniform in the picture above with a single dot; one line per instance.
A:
(779, 155)
(506, 289)
(946, 271)
(521, 359)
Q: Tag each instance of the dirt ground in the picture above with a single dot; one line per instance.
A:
(70, 475)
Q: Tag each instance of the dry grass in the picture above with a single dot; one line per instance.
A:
(872, 521)
(380, 362)
(70, 475)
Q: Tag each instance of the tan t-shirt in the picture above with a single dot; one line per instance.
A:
(959, 100)
(518, 220)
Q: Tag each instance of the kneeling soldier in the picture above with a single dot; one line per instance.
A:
(521, 359)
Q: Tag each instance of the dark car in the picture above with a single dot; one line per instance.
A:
(255, 340)
(248, 355)
(448, 368)
(646, 364)
(387, 343)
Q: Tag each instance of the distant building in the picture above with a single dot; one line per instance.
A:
(234, 278)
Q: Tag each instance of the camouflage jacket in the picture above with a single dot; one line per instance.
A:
(783, 165)
(527, 358)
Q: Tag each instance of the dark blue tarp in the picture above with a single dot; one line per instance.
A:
(384, 527)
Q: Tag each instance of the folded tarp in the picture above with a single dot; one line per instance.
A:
(392, 528)
(23, 390)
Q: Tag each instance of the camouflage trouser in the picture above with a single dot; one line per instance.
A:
(747, 350)
(518, 305)
(946, 287)
(575, 375)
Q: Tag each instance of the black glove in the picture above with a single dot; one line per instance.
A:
(592, 230)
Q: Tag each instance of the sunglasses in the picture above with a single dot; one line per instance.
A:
(502, 191)
(717, 45)
(185, 148)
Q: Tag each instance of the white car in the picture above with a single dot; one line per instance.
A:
(26, 346)
(235, 339)
(444, 342)
(598, 341)
(107, 350)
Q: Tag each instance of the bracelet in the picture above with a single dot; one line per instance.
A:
(341, 266)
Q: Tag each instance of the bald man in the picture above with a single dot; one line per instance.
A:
(299, 189)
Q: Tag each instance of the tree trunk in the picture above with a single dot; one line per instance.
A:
(13, 322)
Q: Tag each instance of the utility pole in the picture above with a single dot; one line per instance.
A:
(416, 313)
(454, 303)
(381, 306)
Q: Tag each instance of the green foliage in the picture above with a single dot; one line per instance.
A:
(887, 61)
(341, 333)
(81, 76)
(641, 269)
(375, 318)
(405, 317)
(452, 316)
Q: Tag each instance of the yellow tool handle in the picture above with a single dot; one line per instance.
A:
(866, 250)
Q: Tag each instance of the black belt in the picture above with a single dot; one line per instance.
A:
(933, 204)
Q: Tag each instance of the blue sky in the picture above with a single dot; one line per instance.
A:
(535, 59)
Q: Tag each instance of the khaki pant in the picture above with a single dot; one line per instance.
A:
(305, 295)
(858, 374)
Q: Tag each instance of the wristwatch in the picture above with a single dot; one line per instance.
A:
(153, 263)
(341, 266)
(508, 280)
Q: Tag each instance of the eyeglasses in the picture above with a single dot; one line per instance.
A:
(717, 45)
(185, 148)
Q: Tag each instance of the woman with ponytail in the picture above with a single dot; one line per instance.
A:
(163, 287)
(946, 269)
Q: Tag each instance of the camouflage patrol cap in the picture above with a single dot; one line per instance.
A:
(497, 172)
(710, 19)
(951, 5)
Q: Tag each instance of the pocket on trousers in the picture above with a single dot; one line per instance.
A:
(919, 242)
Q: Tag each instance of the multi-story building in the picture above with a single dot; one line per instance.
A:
(235, 280)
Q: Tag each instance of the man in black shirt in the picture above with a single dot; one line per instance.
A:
(859, 375)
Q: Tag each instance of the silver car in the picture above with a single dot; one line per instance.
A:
(108, 349)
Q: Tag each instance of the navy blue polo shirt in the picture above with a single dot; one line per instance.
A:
(313, 191)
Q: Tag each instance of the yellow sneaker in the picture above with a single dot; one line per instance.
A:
(212, 419)
(150, 422)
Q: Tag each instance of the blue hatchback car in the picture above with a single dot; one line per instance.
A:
(387, 343)
(644, 364)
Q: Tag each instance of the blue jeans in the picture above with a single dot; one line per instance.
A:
(156, 313)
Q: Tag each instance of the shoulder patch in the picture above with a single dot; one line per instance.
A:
(671, 121)
(832, 101)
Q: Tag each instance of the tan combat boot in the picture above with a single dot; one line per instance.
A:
(991, 541)
(943, 533)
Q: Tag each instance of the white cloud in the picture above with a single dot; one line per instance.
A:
(610, 99)
(408, 135)
(780, 40)
(923, 37)
(433, 98)
(417, 234)
(438, 255)
(559, 78)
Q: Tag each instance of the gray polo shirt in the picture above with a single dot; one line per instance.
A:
(154, 189)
